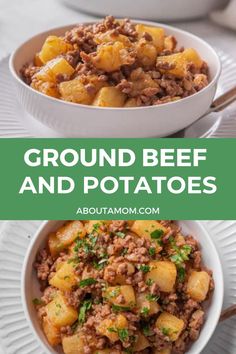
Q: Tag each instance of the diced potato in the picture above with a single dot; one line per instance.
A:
(131, 102)
(110, 57)
(55, 245)
(170, 325)
(53, 46)
(69, 232)
(59, 313)
(73, 344)
(164, 274)
(141, 81)
(163, 351)
(52, 333)
(120, 322)
(146, 53)
(37, 61)
(143, 302)
(141, 343)
(158, 35)
(111, 37)
(65, 278)
(94, 225)
(170, 43)
(198, 285)
(147, 229)
(111, 293)
(60, 66)
(180, 61)
(47, 88)
(109, 97)
(74, 91)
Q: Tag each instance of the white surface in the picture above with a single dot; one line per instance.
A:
(31, 286)
(15, 334)
(227, 16)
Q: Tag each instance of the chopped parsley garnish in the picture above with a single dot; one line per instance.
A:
(86, 305)
(181, 254)
(87, 282)
(146, 329)
(181, 274)
(123, 333)
(144, 268)
(149, 282)
(152, 251)
(114, 293)
(38, 302)
(151, 297)
(120, 234)
(144, 311)
(166, 331)
(124, 251)
(118, 308)
(156, 234)
(100, 264)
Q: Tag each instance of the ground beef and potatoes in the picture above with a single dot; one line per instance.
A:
(122, 287)
(116, 63)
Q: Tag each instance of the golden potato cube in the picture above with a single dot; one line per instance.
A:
(60, 66)
(146, 53)
(59, 313)
(110, 57)
(141, 343)
(47, 88)
(73, 344)
(157, 34)
(170, 325)
(149, 229)
(111, 37)
(109, 97)
(65, 278)
(52, 333)
(180, 62)
(131, 102)
(109, 327)
(164, 274)
(53, 46)
(143, 302)
(112, 292)
(198, 285)
(55, 245)
(74, 91)
(69, 232)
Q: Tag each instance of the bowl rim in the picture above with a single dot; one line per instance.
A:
(218, 302)
(214, 80)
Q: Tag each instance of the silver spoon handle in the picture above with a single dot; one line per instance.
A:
(228, 313)
(223, 101)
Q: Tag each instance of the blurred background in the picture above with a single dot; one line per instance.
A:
(20, 20)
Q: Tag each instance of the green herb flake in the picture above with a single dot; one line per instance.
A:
(124, 252)
(166, 331)
(123, 334)
(118, 308)
(120, 234)
(144, 311)
(87, 282)
(152, 298)
(38, 302)
(157, 234)
(152, 251)
(181, 274)
(144, 268)
(149, 282)
(86, 306)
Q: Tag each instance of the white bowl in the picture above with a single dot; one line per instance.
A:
(160, 10)
(31, 288)
(76, 120)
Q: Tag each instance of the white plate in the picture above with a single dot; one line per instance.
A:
(14, 122)
(17, 338)
(167, 10)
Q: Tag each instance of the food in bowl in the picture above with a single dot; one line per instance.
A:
(122, 287)
(116, 63)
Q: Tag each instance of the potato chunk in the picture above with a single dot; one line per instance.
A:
(198, 285)
(74, 91)
(94, 225)
(110, 57)
(146, 53)
(164, 274)
(110, 327)
(53, 68)
(65, 278)
(73, 344)
(59, 313)
(54, 244)
(157, 34)
(53, 46)
(150, 229)
(111, 37)
(109, 97)
(146, 305)
(141, 343)
(47, 88)
(180, 62)
(52, 333)
(111, 294)
(170, 325)
(69, 232)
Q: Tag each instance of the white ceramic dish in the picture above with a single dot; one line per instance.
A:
(159, 10)
(87, 121)
(31, 288)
